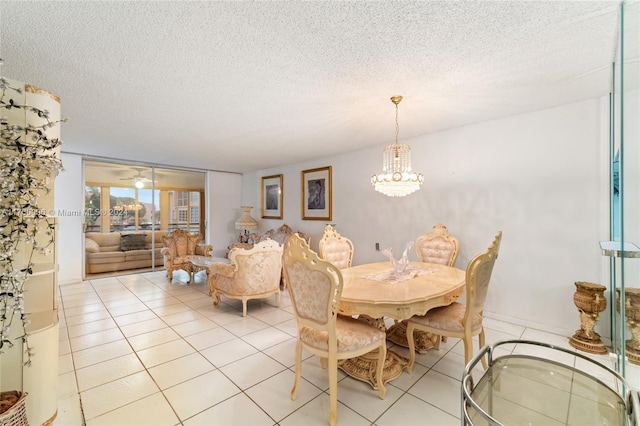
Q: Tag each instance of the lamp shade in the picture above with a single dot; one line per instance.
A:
(245, 221)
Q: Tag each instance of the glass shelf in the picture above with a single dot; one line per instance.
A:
(616, 249)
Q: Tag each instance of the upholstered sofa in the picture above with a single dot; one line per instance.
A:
(116, 251)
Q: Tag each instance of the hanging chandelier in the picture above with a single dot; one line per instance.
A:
(397, 179)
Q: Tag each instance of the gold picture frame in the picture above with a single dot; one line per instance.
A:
(272, 197)
(316, 194)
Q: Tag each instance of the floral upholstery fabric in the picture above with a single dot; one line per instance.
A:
(312, 301)
(351, 335)
(177, 246)
(337, 252)
(436, 251)
(448, 318)
(253, 274)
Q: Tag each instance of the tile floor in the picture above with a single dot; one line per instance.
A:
(138, 350)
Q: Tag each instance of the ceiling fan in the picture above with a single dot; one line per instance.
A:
(138, 179)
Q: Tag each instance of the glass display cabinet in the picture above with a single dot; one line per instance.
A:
(623, 247)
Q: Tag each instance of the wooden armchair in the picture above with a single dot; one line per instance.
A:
(252, 274)
(177, 246)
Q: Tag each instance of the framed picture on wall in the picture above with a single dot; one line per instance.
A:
(272, 197)
(316, 194)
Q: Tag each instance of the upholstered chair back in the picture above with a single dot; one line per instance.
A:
(335, 248)
(437, 246)
(478, 276)
(315, 285)
(258, 269)
(181, 243)
(251, 274)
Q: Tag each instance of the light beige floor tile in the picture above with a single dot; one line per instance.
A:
(196, 326)
(94, 339)
(363, 399)
(409, 410)
(181, 317)
(266, 338)
(289, 326)
(157, 300)
(314, 373)
(246, 326)
(285, 353)
(237, 410)
(274, 394)
(142, 327)
(180, 370)
(130, 308)
(81, 300)
(69, 411)
(165, 352)
(64, 347)
(89, 327)
(153, 410)
(199, 394)
(118, 393)
(65, 363)
(228, 352)
(88, 317)
(67, 385)
(107, 371)
(85, 309)
(153, 338)
(439, 390)
(273, 316)
(316, 413)
(453, 365)
(209, 338)
(251, 370)
(101, 353)
(143, 315)
(174, 308)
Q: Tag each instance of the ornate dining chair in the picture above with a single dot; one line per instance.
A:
(437, 246)
(177, 246)
(335, 248)
(315, 287)
(460, 320)
(252, 274)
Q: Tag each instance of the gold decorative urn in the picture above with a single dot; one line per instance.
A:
(632, 314)
(590, 301)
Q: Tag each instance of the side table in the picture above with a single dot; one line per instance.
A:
(202, 263)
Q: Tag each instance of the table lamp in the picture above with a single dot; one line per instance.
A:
(245, 222)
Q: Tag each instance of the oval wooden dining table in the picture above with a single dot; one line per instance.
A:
(372, 292)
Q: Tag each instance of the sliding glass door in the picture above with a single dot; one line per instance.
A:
(123, 198)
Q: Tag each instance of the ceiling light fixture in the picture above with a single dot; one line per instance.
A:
(397, 179)
(139, 184)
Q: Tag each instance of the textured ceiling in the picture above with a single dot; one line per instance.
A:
(240, 86)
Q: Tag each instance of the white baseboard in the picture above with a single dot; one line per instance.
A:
(529, 324)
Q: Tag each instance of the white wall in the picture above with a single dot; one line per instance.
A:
(223, 208)
(538, 177)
